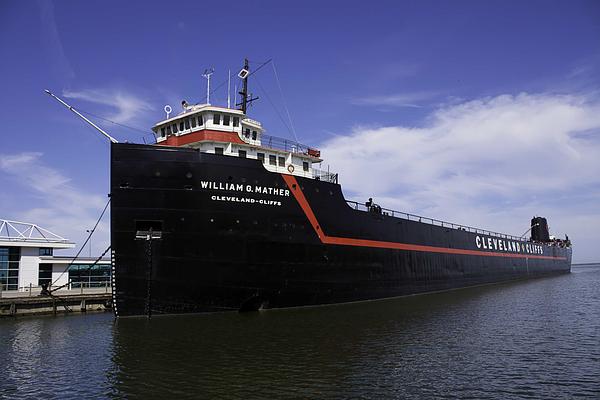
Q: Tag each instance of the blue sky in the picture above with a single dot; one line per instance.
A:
(484, 113)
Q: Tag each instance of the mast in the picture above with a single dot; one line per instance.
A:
(246, 99)
(244, 91)
(229, 89)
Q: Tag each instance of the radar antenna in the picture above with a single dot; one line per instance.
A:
(207, 73)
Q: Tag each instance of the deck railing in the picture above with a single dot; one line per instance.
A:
(277, 143)
(432, 221)
(324, 176)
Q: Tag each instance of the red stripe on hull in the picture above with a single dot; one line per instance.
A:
(299, 195)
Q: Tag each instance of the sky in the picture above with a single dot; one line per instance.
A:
(483, 113)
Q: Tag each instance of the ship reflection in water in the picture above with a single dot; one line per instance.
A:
(534, 338)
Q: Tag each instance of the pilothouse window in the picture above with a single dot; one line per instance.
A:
(193, 122)
(305, 166)
(187, 123)
(200, 120)
(272, 160)
(282, 161)
(261, 157)
(162, 132)
(236, 121)
(253, 135)
(226, 120)
(216, 119)
(174, 128)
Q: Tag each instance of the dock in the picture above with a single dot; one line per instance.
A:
(60, 302)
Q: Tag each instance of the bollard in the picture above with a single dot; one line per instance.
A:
(30, 285)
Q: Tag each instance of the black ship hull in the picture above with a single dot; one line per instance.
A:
(230, 235)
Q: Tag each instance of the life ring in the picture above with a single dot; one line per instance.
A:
(291, 168)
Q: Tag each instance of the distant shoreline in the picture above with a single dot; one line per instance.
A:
(586, 264)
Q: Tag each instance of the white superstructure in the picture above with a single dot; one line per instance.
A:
(229, 131)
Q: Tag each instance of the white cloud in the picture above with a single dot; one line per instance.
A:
(125, 106)
(412, 100)
(59, 206)
(493, 162)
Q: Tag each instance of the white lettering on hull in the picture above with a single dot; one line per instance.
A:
(235, 199)
(495, 244)
(238, 187)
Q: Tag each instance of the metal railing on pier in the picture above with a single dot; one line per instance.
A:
(73, 287)
(431, 221)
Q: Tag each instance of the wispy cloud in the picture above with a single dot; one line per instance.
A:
(52, 42)
(48, 198)
(124, 107)
(493, 162)
(413, 100)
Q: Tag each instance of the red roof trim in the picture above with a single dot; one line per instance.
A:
(201, 136)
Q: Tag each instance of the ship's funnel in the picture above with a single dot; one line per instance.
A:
(539, 229)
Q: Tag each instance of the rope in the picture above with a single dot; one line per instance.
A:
(84, 243)
(88, 270)
(116, 123)
(284, 103)
(273, 105)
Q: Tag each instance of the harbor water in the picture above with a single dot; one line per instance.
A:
(528, 339)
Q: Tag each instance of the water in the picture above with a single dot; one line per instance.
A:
(531, 339)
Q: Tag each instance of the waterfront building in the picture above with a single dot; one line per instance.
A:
(28, 260)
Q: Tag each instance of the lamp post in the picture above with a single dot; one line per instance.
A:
(90, 246)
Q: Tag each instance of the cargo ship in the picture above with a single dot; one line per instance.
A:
(219, 216)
